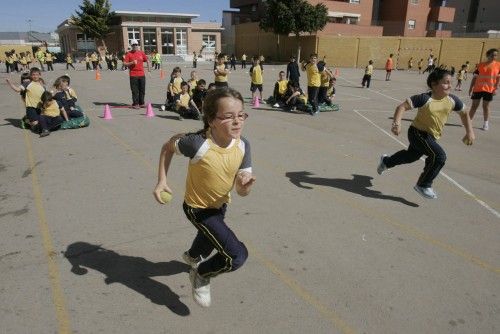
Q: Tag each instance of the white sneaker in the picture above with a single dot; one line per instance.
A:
(193, 262)
(162, 107)
(276, 105)
(426, 192)
(381, 168)
(200, 288)
(485, 127)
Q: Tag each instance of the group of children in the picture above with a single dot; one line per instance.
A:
(46, 110)
(186, 98)
(17, 62)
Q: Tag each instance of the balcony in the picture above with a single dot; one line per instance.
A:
(442, 14)
(439, 33)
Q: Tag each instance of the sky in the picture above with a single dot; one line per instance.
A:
(46, 15)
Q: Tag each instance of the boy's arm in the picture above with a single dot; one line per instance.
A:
(276, 90)
(193, 104)
(64, 113)
(15, 88)
(398, 115)
(166, 154)
(469, 132)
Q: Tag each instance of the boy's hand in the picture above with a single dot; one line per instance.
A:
(158, 189)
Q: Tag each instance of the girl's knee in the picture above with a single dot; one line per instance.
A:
(240, 258)
(441, 158)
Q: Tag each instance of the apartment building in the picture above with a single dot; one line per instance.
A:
(346, 17)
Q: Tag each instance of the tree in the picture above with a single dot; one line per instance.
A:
(285, 17)
(94, 19)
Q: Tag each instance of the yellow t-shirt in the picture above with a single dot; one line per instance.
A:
(313, 76)
(256, 72)
(192, 85)
(52, 110)
(432, 114)
(212, 169)
(48, 57)
(175, 85)
(325, 79)
(23, 61)
(369, 70)
(34, 92)
(69, 60)
(184, 101)
(282, 86)
(221, 77)
(71, 93)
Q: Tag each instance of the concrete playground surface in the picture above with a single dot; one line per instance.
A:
(334, 247)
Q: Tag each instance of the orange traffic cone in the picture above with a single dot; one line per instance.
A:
(98, 75)
(162, 74)
(107, 112)
(149, 111)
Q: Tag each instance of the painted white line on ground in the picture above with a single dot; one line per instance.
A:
(452, 181)
(371, 90)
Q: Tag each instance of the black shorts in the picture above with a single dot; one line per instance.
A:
(484, 95)
(221, 84)
(254, 87)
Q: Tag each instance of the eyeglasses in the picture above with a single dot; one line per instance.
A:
(226, 117)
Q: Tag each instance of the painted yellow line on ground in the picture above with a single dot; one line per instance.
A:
(292, 284)
(120, 141)
(302, 293)
(48, 246)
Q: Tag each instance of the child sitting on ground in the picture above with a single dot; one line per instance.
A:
(295, 98)
(280, 88)
(67, 97)
(330, 93)
(51, 111)
(32, 94)
(184, 105)
(174, 88)
(199, 93)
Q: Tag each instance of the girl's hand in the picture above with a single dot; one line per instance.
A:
(396, 128)
(468, 139)
(244, 180)
(158, 189)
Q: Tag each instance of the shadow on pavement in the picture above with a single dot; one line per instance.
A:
(15, 122)
(133, 272)
(358, 185)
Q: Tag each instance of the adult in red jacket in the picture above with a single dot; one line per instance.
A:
(134, 60)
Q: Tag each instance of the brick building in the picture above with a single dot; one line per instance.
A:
(168, 33)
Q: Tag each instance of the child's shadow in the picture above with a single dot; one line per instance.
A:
(14, 122)
(133, 272)
(358, 185)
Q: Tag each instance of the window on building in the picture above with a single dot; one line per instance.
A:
(134, 33)
(208, 42)
(354, 1)
(84, 43)
(411, 24)
(149, 39)
(167, 41)
(414, 2)
(181, 41)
